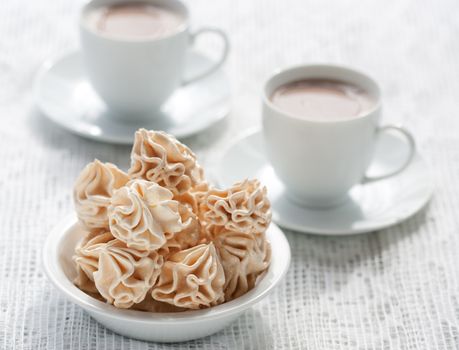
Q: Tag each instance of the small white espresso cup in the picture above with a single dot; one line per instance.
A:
(136, 76)
(320, 161)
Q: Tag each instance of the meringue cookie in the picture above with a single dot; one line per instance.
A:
(194, 197)
(144, 215)
(86, 259)
(189, 236)
(244, 207)
(244, 257)
(191, 278)
(125, 275)
(93, 190)
(121, 275)
(159, 157)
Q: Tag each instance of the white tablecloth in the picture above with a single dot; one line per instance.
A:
(393, 289)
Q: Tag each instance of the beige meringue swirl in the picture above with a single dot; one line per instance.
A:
(144, 215)
(189, 236)
(244, 207)
(194, 197)
(244, 258)
(125, 275)
(86, 258)
(93, 190)
(191, 278)
(121, 275)
(159, 157)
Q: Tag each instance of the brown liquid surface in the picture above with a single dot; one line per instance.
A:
(322, 99)
(134, 21)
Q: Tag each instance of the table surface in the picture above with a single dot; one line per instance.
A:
(392, 289)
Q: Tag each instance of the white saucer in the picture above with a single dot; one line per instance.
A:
(64, 94)
(371, 207)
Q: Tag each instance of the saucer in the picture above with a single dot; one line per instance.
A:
(372, 206)
(65, 96)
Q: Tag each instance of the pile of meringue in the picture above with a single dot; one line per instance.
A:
(158, 238)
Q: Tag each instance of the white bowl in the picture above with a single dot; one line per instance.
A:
(161, 327)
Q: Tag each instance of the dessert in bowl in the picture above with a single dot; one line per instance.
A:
(158, 254)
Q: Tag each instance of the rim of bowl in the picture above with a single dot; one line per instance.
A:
(280, 261)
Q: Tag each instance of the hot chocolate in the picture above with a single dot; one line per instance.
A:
(134, 21)
(322, 99)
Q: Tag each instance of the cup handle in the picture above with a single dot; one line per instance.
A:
(219, 62)
(409, 158)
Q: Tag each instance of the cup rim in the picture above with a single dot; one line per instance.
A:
(280, 261)
(91, 3)
(311, 66)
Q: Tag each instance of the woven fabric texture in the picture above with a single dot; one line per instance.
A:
(393, 289)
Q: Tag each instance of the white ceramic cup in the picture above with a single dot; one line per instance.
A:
(135, 76)
(320, 161)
